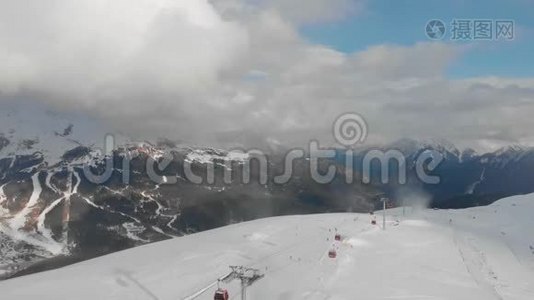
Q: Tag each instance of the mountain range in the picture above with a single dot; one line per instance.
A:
(51, 214)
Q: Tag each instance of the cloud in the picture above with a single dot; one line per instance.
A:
(239, 70)
(298, 12)
(314, 11)
(97, 53)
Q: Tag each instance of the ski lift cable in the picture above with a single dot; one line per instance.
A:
(320, 260)
(321, 257)
(325, 252)
(293, 245)
(307, 241)
(262, 259)
(206, 288)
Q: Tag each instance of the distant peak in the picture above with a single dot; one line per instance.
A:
(409, 145)
(510, 149)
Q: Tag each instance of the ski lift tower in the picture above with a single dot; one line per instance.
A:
(247, 276)
(384, 202)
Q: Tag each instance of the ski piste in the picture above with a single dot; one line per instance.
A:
(476, 253)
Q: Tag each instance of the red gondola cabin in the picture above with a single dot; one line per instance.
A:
(332, 253)
(221, 294)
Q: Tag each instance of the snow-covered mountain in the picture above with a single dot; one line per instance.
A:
(467, 178)
(50, 209)
(411, 147)
(477, 253)
(52, 215)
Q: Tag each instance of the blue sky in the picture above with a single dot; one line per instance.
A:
(402, 22)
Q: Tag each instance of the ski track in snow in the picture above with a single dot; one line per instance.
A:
(78, 181)
(19, 220)
(129, 233)
(110, 210)
(169, 224)
(66, 197)
(160, 207)
(477, 265)
(472, 187)
(42, 217)
(49, 184)
(132, 229)
(3, 199)
(42, 237)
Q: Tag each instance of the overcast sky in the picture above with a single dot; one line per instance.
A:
(201, 70)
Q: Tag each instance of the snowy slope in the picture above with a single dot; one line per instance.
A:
(478, 253)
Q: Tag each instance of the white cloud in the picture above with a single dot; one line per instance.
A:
(97, 52)
(294, 11)
(192, 70)
(313, 11)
